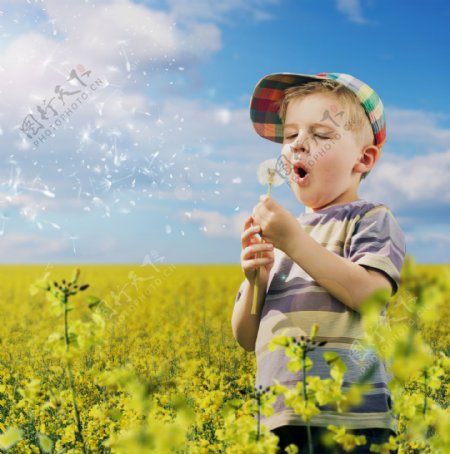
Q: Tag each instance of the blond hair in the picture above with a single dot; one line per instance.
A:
(356, 119)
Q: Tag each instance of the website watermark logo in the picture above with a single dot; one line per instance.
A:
(40, 125)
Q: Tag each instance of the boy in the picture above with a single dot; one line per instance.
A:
(321, 266)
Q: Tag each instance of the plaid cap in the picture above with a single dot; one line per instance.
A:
(269, 91)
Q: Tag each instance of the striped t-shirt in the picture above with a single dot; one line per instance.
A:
(365, 233)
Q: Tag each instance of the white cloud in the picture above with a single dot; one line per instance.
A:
(215, 224)
(217, 10)
(40, 247)
(118, 40)
(437, 239)
(24, 247)
(352, 9)
(416, 126)
(401, 180)
(134, 29)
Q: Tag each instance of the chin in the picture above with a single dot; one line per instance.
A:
(314, 203)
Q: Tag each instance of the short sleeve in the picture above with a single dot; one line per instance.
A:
(378, 242)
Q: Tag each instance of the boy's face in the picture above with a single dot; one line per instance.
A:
(317, 139)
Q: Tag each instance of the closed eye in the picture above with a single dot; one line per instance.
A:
(323, 137)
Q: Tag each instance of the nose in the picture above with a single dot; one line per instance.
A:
(299, 143)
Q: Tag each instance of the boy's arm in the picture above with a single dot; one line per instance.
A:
(245, 325)
(375, 255)
(347, 281)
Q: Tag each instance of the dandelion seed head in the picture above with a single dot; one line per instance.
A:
(267, 173)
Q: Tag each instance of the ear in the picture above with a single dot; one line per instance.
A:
(367, 159)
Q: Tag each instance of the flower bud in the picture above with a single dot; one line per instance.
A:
(314, 331)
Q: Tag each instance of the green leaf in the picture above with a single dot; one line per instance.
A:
(234, 403)
(52, 298)
(93, 301)
(40, 284)
(34, 290)
(73, 339)
(46, 443)
(330, 357)
(376, 301)
(294, 365)
(308, 363)
(279, 341)
(75, 275)
(10, 437)
(115, 414)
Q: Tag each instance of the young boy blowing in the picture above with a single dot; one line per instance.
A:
(321, 266)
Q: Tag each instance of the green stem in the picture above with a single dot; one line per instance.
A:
(425, 376)
(145, 409)
(79, 433)
(414, 325)
(258, 427)
(65, 301)
(305, 397)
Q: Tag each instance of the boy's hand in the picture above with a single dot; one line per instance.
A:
(251, 244)
(278, 226)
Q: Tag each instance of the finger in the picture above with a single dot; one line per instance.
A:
(253, 249)
(248, 233)
(252, 264)
(255, 209)
(262, 255)
(269, 258)
(248, 222)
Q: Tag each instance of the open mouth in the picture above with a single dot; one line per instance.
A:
(301, 174)
(301, 171)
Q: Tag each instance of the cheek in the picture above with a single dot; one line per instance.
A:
(285, 152)
(327, 162)
(333, 162)
(286, 160)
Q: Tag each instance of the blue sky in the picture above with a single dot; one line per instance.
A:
(160, 160)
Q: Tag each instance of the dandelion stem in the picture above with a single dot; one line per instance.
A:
(257, 279)
(269, 191)
(255, 291)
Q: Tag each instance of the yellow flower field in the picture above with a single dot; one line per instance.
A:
(149, 364)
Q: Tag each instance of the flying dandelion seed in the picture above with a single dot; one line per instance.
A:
(106, 184)
(53, 224)
(45, 192)
(74, 238)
